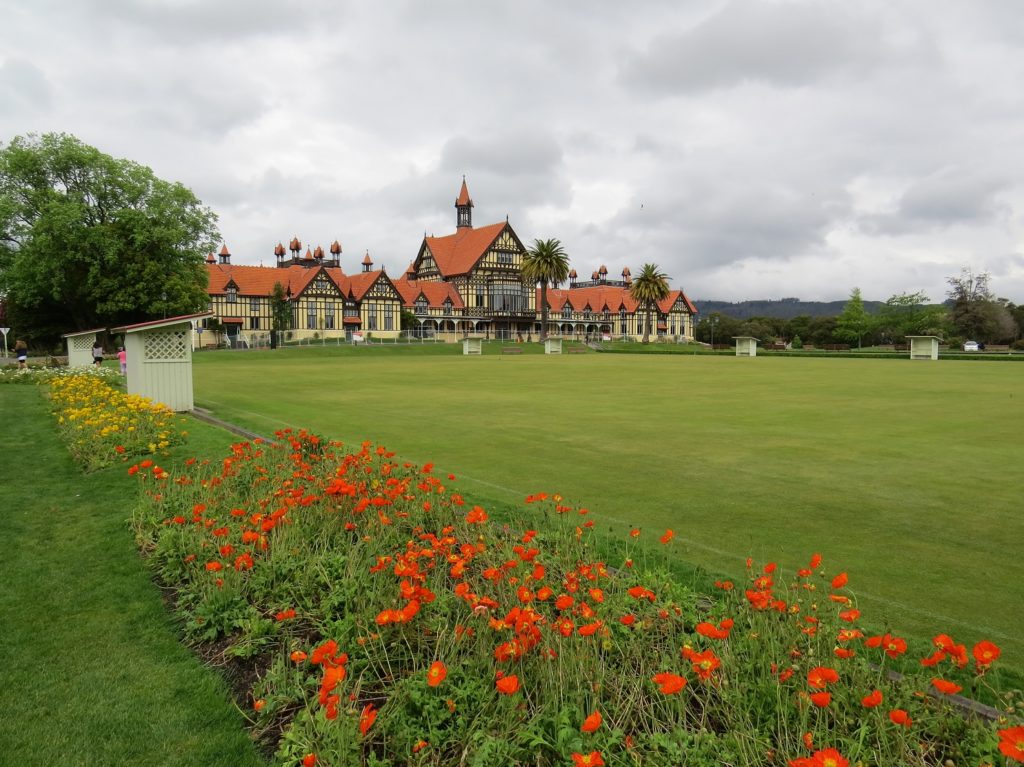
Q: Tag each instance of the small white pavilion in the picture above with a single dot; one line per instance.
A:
(552, 345)
(473, 344)
(160, 359)
(924, 347)
(80, 345)
(746, 346)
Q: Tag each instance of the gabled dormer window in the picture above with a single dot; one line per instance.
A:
(566, 311)
(232, 295)
(447, 306)
(421, 305)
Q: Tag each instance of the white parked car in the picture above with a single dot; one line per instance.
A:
(970, 346)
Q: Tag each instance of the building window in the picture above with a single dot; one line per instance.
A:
(371, 317)
(566, 312)
(480, 297)
(311, 317)
(421, 305)
(232, 295)
(504, 258)
(254, 304)
(447, 306)
(507, 297)
(329, 316)
(254, 323)
(351, 310)
(389, 317)
(623, 327)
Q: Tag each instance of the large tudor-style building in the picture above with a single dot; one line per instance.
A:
(469, 282)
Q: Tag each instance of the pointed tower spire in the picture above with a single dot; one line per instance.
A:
(464, 205)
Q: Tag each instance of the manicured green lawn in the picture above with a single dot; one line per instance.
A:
(903, 473)
(91, 668)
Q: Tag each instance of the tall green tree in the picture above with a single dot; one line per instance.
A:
(280, 308)
(910, 314)
(546, 262)
(88, 240)
(853, 322)
(648, 288)
(975, 312)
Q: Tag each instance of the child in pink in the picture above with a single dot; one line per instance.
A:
(122, 357)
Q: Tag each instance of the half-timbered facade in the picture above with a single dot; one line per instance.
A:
(323, 301)
(483, 268)
(466, 283)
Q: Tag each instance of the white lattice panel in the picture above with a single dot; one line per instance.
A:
(82, 343)
(165, 346)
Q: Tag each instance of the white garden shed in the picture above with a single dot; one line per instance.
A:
(924, 347)
(472, 345)
(746, 346)
(160, 359)
(80, 345)
(552, 345)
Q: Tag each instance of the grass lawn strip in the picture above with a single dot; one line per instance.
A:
(92, 670)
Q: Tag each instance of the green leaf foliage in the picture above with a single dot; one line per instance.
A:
(88, 240)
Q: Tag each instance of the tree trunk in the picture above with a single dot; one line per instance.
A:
(647, 326)
(543, 310)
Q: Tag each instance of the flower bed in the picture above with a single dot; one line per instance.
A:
(102, 425)
(392, 623)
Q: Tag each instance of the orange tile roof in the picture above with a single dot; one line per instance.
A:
(434, 292)
(612, 296)
(458, 253)
(464, 195)
(260, 280)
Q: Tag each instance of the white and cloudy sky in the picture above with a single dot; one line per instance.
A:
(750, 148)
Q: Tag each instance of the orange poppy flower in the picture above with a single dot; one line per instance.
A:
(627, 620)
(591, 723)
(946, 687)
(590, 628)
(849, 615)
(593, 759)
(821, 677)
(634, 533)
(872, 700)
(436, 673)
(892, 646)
(900, 717)
(986, 652)
(564, 602)
(1011, 743)
(298, 656)
(309, 760)
(843, 652)
(668, 536)
(367, 718)
(507, 685)
(668, 683)
(704, 663)
(821, 699)
(828, 757)
(840, 580)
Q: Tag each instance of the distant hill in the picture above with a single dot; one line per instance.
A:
(783, 308)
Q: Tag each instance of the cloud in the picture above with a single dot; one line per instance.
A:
(786, 44)
(948, 197)
(24, 86)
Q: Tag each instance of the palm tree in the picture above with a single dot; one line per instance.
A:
(545, 262)
(648, 288)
